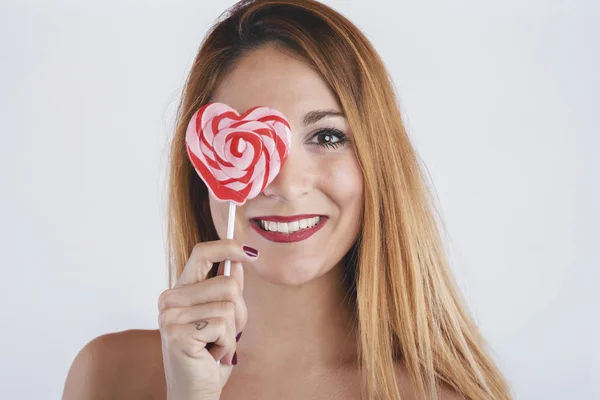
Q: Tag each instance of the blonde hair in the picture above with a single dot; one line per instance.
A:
(406, 302)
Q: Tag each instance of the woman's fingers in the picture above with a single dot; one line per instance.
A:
(187, 315)
(192, 338)
(220, 289)
(205, 254)
(236, 272)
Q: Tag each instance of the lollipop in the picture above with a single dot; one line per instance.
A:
(237, 156)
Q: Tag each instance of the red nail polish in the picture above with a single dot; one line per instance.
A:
(252, 252)
(234, 360)
(237, 338)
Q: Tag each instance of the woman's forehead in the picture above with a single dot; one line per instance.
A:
(270, 77)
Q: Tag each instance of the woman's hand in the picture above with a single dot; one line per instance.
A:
(198, 312)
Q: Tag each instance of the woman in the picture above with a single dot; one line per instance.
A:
(362, 305)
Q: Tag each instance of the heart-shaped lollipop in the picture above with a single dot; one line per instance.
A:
(237, 156)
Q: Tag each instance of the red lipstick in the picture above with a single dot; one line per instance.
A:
(280, 237)
(291, 218)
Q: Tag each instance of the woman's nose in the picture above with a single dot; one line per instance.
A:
(295, 179)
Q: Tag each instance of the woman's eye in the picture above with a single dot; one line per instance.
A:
(329, 137)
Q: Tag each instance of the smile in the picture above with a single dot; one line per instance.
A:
(288, 229)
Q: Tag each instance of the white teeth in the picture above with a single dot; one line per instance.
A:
(282, 227)
(289, 227)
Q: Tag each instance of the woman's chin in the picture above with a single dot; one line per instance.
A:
(282, 272)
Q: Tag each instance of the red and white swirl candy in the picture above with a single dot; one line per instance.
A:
(237, 156)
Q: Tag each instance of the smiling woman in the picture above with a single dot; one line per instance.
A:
(339, 279)
(321, 178)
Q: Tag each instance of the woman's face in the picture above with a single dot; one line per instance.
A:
(321, 177)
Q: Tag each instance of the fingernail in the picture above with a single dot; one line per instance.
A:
(234, 360)
(237, 338)
(252, 252)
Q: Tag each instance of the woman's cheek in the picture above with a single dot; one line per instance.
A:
(220, 217)
(343, 182)
(218, 212)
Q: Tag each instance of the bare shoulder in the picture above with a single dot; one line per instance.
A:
(126, 364)
(406, 389)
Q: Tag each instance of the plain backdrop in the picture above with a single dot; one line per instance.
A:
(501, 99)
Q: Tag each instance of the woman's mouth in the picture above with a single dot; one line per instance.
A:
(288, 229)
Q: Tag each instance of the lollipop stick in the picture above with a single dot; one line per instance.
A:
(230, 226)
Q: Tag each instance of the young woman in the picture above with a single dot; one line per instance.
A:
(339, 280)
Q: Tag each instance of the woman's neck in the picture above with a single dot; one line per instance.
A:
(308, 326)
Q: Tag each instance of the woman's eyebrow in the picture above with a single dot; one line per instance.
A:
(312, 117)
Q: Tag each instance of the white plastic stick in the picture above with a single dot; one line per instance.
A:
(230, 227)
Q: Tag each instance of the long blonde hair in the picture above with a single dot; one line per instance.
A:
(406, 301)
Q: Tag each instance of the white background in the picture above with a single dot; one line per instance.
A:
(501, 99)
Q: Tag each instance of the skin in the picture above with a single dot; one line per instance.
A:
(294, 288)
